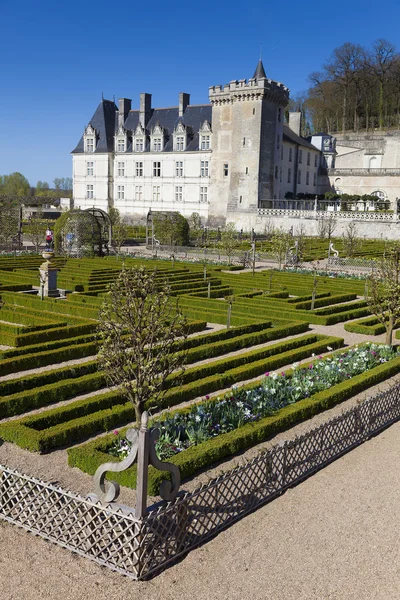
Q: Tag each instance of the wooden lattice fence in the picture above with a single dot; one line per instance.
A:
(138, 548)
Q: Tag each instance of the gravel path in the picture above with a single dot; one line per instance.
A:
(335, 536)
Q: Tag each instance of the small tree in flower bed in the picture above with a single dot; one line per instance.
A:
(214, 417)
(138, 327)
(384, 299)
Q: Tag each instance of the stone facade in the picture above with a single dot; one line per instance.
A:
(216, 159)
(368, 164)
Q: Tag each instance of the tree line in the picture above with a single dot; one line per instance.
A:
(16, 185)
(357, 89)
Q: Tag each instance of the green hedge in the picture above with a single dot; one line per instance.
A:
(21, 402)
(15, 386)
(370, 326)
(57, 333)
(68, 424)
(47, 357)
(330, 310)
(14, 352)
(326, 301)
(90, 456)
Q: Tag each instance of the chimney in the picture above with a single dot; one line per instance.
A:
(145, 109)
(295, 122)
(124, 106)
(184, 101)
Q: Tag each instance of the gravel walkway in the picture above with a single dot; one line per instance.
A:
(335, 536)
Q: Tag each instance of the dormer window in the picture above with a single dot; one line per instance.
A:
(89, 139)
(180, 143)
(157, 145)
(121, 140)
(157, 139)
(205, 142)
(139, 145)
(205, 136)
(180, 137)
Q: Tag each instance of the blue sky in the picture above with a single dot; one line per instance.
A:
(58, 57)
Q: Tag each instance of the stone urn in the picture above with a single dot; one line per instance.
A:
(48, 254)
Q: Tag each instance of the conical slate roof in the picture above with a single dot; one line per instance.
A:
(259, 72)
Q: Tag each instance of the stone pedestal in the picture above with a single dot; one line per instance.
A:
(48, 277)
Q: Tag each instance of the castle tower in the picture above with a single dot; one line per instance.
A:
(247, 122)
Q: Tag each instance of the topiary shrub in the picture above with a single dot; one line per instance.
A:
(171, 229)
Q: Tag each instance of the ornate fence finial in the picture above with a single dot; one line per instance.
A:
(143, 451)
(111, 492)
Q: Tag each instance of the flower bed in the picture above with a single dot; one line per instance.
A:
(214, 417)
(89, 456)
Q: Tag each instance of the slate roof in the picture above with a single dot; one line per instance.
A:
(105, 121)
(293, 138)
(259, 73)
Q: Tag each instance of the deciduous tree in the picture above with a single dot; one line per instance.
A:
(384, 298)
(139, 325)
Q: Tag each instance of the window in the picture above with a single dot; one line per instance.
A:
(156, 193)
(205, 142)
(280, 174)
(121, 169)
(121, 146)
(282, 152)
(204, 168)
(279, 115)
(276, 172)
(308, 178)
(315, 160)
(203, 194)
(179, 168)
(178, 193)
(89, 144)
(315, 179)
(121, 192)
(308, 158)
(289, 176)
(89, 191)
(299, 176)
(278, 142)
(180, 143)
(157, 144)
(247, 170)
(254, 111)
(240, 199)
(89, 168)
(139, 169)
(290, 154)
(156, 169)
(244, 141)
(300, 156)
(226, 170)
(138, 192)
(139, 145)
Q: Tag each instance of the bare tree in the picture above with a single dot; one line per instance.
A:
(138, 327)
(280, 244)
(351, 241)
(229, 240)
(35, 231)
(384, 299)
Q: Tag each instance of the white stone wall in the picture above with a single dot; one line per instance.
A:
(365, 228)
(131, 200)
(101, 180)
